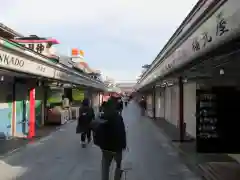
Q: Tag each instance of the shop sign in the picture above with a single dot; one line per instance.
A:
(77, 94)
(218, 29)
(9, 60)
(37, 47)
(41, 48)
(64, 76)
(61, 75)
(18, 63)
(222, 26)
(28, 65)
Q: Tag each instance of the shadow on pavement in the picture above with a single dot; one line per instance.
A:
(8, 146)
(57, 156)
(60, 156)
(210, 166)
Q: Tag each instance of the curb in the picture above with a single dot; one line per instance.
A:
(18, 149)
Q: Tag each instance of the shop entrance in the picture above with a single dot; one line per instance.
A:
(6, 110)
(217, 119)
(22, 117)
(22, 110)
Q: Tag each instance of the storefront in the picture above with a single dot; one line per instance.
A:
(23, 96)
(149, 101)
(6, 107)
(159, 102)
(203, 56)
(96, 101)
(15, 104)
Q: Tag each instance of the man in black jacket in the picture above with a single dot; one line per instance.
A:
(111, 139)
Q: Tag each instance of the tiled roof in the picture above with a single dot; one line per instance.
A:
(9, 30)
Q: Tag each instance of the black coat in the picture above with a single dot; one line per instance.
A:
(111, 135)
(84, 122)
(120, 105)
(143, 104)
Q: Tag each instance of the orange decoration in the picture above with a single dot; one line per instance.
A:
(81, 52)
(75, 52)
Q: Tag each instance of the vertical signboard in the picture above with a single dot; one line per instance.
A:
(218, 120)
(207, 132)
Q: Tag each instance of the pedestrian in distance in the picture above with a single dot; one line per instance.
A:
(143, 105)
(86, 115)
(126, 100)
(119, 104)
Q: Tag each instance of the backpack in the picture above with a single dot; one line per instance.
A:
(98, 132)
(105, 133)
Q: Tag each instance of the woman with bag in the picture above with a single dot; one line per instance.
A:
(86, 115)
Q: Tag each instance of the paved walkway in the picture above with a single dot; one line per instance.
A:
(60, 156)
(8, 146)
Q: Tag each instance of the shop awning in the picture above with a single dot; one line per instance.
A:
(215, 23)
(17, 58)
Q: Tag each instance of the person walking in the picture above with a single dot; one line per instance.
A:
(110, 136)
(126, 100)
(143, 105)
(86, 115)
(119, 105)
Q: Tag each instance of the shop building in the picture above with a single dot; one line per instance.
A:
(194, 81)
(26, 77)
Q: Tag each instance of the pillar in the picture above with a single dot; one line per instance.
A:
(181, 110)
(86, 93)
(31, 133)
(154, 101)
(46, 88)
(99, 98)
(13, 120)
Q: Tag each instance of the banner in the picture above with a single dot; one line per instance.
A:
(77, 94)
(55, 96)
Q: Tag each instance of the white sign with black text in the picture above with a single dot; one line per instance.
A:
(37, 47)
(221, 27)
(27, 64)
(22, 64)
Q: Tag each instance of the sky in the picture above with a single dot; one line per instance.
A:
(117, 36)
